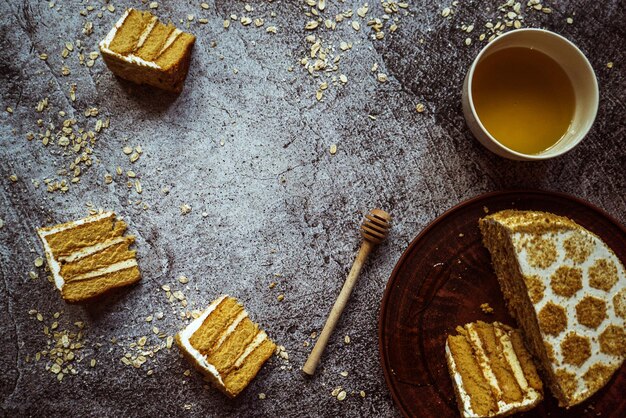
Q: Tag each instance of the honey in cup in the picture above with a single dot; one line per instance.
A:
(523, 98)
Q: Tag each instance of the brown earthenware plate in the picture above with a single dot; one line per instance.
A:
(440, 282)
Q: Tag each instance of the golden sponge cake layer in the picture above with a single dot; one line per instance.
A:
(90, 256)
(567, 290)
(225, 345)
(492, 373)
(143, 50)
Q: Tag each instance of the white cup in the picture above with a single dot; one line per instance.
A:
(575, 65)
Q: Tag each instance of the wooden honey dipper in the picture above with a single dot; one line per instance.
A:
(374, 230)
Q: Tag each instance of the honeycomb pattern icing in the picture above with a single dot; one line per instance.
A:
(577, 286)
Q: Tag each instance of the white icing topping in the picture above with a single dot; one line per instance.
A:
(458, 383)
(186, 334)
(600, 251)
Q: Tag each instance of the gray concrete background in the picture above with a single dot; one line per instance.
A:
(279, 207)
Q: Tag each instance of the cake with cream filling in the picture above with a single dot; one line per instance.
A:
(225, 345)
(90, 256)
(567, 290)
(143, 50)
(492, 372)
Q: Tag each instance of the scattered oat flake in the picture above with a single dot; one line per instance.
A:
(311, 25)
(342, 395)
(154, 5)
(261, 395)
(419, 108)
(185, 209)
(333, 149)
(346, 339)
(609, 65)
(183, 279)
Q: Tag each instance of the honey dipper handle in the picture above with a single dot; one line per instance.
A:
(335, 313)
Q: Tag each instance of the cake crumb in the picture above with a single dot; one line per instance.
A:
(261, 395)
(486, 308)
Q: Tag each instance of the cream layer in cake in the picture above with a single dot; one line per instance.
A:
(492, 374)
(567, 290)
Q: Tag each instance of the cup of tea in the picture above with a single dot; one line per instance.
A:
(530, 94)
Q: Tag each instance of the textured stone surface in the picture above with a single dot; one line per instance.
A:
(280, 208)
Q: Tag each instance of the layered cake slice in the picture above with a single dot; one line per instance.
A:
(567, 290)
(225, 345)
(492, 373)
(143, 50)
(90, 256)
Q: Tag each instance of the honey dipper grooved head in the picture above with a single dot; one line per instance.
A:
(375, 226)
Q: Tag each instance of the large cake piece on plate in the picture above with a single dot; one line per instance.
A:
(567, 290)
(492, 372)
(225, 345)
(90, 256)
(143, 50)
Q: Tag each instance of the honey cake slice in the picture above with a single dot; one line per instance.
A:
(492, 372)
(567, 290)
(225, 345)
(141, 49)
(90, 256)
